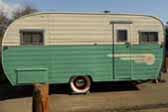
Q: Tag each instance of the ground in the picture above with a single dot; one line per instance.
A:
(104, 97)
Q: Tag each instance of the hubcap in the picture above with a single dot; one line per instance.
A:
(80, 83)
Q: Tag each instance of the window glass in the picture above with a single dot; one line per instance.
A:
(26, 39)
(148, 37)
(122, 35)
(36, 38)
(31, 38)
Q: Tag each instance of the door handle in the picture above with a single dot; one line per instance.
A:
(127, 44)
(162, 45)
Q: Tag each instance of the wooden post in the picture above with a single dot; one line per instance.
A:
(40, 98)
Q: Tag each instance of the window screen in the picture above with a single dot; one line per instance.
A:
(122, 35)
(148, 37)
(31, 38)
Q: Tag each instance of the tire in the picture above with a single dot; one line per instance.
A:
(80, 84)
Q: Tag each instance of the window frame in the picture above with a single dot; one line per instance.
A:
(148, 40)
(119, 41)
(31, 31)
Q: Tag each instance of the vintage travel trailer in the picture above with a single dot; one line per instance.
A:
(81, 48)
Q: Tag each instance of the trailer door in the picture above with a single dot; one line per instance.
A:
(121, 50)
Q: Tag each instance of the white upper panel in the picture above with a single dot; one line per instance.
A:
(77, 29)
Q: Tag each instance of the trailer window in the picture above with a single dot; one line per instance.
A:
(31, 38)
(148, 37)
(122, 35)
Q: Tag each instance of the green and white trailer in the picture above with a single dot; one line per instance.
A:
(80, 48)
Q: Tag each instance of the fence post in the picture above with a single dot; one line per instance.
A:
(40, 98)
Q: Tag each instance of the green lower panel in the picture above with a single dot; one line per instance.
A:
(56, 64)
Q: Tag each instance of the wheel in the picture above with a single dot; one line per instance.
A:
(80, 84)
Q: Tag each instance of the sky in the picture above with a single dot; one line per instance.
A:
(157, 8)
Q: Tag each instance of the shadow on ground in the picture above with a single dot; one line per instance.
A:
(97, 87)
(142, 108)
(9, 92)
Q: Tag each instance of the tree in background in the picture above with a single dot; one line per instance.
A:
(24, 11)
(166, 31)
(166, 35)
(4, 23)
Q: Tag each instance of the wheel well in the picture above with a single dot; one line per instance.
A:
(90, 78)
(81, 76)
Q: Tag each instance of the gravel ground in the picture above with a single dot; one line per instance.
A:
(104, 97)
